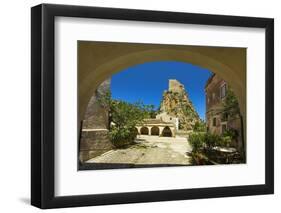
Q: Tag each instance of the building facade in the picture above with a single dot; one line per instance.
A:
(217, 120)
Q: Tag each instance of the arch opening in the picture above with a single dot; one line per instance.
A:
(167, 132)
(144, 130)
(155, 130)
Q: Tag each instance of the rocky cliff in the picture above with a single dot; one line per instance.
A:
(175, 102)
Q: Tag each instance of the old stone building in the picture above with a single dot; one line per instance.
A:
(157, 127)
(217, 119)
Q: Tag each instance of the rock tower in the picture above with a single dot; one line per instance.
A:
(175, 102)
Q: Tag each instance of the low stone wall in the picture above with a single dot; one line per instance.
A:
(94, 143)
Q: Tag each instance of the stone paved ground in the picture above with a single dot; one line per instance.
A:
(149, 150)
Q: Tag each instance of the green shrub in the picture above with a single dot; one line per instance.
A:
(226, 141)
(212, 140)
(203, 151)
(207, 141)
(232, 133)
(199, 126)
(121, 137)
(196, 141)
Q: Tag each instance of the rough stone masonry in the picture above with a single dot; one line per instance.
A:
(94, 139)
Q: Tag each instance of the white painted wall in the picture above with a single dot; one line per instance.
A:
(15, 105)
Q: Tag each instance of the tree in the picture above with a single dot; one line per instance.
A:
(199, 126)
(152, 111)
(231, 105)
(123, 118)
(231, 108)
(127, 115)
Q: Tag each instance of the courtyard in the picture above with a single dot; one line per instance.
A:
(146, 152)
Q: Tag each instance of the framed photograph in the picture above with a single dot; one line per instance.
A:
(136, 106)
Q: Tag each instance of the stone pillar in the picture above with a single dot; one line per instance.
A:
(173, 130)
(160, 130)
(177, 123)
(96, 116)
(139, 132)
(94, 139)
(149, 130)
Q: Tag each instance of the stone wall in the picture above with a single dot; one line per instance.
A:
(96, 116)
(214, 109)
(94, 143)
(169, 119)
(213, 90)
(94, 139)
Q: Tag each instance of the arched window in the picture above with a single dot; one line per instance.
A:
(214, 121)
(223, 90)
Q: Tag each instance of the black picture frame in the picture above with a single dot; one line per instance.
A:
(43, 102)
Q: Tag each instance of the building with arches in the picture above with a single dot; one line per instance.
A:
(157, 127)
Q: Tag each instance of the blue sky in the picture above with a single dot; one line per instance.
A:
(146, 82)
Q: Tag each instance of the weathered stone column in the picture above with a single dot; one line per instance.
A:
(160, 130)
(149, 130)
(94, 139)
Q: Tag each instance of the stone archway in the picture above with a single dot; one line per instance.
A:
(228, 64)
(155, 130)
(144, 130)
(167, 132)
(112, 57)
